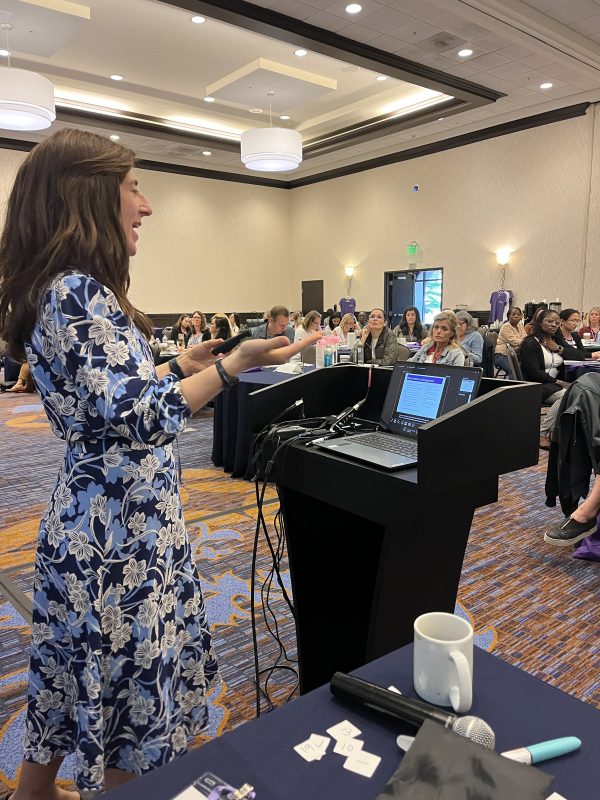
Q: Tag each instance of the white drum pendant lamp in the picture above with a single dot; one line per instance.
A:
(26, 100)
(272, 149)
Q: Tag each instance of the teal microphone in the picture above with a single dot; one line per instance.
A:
(534, 753)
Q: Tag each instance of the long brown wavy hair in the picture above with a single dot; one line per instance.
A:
(64, 213)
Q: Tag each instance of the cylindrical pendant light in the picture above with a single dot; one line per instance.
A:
(26, 100)
(272, 149)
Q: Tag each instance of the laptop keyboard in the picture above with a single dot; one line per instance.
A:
(388, 442)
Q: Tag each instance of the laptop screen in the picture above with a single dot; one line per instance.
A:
(418, 393)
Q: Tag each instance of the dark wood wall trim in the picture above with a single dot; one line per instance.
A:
(514, 126)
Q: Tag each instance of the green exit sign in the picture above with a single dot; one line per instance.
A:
(411, 249)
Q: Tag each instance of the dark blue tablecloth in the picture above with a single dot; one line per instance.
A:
(231, 430)
(521, 709)
(574, 371)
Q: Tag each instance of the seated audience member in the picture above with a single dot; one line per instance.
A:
(512, 333)
(361, 320)
(469, 337)
(442, 347)
(310, 324)
(24, 381)
(183, 327)
(200, 331)
(591, 325)
(219, 327)
(335, 319)
(346, 326)
(570, 340)
(296, 319)
(380, 344)
(277, 324)
(541, 357)
(411, 327)
(235, 323)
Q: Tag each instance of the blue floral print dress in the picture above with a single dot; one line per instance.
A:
(121, 655)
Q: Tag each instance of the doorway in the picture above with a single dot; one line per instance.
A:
(419, 288)
(312, 296)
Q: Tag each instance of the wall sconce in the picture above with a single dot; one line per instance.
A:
(503, 257)
(349, 275)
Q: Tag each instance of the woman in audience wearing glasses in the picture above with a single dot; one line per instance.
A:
(411, 328)
(570, 340)
(121, 654)
(442, 347)
(310, 324)
(469, 338)
(200, 331)
(346, 326)
(541, 357)
(380, 344)
(512, 332)
(590, 329)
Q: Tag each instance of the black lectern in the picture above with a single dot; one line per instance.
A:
(370, 550)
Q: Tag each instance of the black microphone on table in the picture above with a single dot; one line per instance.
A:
(415, 712)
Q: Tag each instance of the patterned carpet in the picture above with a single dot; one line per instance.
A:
(531, 604)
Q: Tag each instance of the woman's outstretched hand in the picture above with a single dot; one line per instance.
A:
(266, 352)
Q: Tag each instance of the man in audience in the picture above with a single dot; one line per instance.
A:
(277, 324)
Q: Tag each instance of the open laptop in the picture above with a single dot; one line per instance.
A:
(417, 393)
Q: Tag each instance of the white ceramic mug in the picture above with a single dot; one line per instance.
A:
(443, 660)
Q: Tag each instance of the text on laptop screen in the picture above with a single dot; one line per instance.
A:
(423, 394)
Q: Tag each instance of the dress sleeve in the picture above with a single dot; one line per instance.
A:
(105, 363)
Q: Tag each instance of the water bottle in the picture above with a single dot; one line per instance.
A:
(328, 356)
(360, 352)
(181, 342)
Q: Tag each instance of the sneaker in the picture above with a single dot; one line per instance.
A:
(570, 532)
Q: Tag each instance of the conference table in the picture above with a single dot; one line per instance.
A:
(232, 436)
(521, 709)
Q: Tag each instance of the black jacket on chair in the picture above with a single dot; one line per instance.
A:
(575, 450)
(532, 364)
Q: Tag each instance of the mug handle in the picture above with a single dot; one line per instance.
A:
(461, 696)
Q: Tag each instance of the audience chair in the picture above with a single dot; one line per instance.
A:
(404, 353)
(515, 373)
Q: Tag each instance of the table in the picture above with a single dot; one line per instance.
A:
(521, 709)
(231, 429)
(575, 369)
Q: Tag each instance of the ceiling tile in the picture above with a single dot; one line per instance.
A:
(487, 61)
(415, 8)
(360, 34)
(388, 43)
(468, 30)
(588, 26)
(414, 31)
(516, 52)
(441, 19)
(385, 20)
(328, 21)
(292, 8)
(491, 41)
(538, 61)
(510, 70)
(581, 81)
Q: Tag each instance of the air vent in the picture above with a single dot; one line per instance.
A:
(442, 41)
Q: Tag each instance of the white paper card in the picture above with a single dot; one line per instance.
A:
(320, 742)
(393, 689)
(556, 796)
(346, 746)
(342, 729)
(189, 794)
(362, 763)
(308, 751)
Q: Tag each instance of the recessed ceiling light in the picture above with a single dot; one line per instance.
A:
(197, 20)
(465, 53)
(116, 77)
(207, 152)
(546, 85)
(115, 137)
(4, 53)
(255, 110)
(441, 118)
(300, 53)
(353, 8)
(284, 116)
(209, 99)
(382, 78)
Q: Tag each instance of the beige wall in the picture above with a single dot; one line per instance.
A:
(209, 244)
(528, 191)
(215, 244)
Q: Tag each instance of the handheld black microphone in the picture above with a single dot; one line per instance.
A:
(229, 344)
(415, 712)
